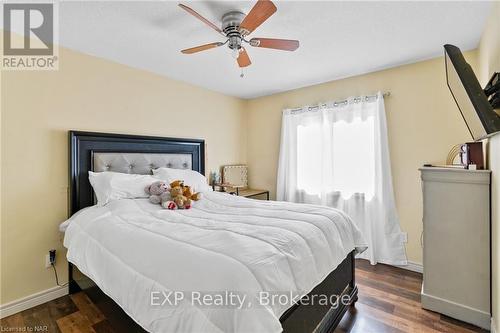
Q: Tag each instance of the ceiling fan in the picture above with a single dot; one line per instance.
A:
(236, 26)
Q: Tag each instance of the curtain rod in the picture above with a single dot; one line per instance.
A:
(384, 94)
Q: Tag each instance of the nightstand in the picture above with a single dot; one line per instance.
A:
(240, 190)
(248, 193)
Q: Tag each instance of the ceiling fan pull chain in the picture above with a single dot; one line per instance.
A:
(242, 74)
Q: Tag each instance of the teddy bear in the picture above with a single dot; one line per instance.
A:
(181, 195)
(177, 196)
(158, 192)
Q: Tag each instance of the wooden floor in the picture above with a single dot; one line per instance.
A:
(389, 301)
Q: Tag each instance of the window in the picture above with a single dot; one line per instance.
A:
(344, 162)
(331, 153)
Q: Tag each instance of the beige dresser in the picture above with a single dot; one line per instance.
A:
(456, 243)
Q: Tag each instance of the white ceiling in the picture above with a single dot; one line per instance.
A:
(337, 39)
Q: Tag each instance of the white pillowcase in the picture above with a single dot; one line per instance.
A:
(115, 186)
(192, 178)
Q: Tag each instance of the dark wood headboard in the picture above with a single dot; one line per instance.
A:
(83, 145)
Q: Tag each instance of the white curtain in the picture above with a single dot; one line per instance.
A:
(337, 154)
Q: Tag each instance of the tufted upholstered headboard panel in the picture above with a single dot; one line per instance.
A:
(139, 163)
(128, 154)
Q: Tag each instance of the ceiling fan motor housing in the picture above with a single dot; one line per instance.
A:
(230, 25)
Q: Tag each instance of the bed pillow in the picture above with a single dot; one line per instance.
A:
(192, 178)
(115, 186)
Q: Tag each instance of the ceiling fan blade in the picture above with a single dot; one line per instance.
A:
(278, 44)
(201, 18)
(243, 59)
(202, 48)
(262, 10)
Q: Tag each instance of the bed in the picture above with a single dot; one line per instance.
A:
(283, 267)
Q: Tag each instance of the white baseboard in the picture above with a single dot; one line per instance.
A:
(412, 266)
(30, 301)
(493, 326)
(456, 310)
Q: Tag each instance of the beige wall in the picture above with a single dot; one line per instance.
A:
(87, 93)
(423, 124)
(488, 63)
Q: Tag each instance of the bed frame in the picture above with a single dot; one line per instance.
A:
(85, 147)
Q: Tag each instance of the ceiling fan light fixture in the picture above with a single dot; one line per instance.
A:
(235, 53)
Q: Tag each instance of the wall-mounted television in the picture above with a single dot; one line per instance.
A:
(481, 119)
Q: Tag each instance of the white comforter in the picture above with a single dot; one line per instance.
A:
(132, 249)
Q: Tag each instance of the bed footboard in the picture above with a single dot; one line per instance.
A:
(319, 318)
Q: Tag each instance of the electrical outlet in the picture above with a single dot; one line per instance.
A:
(50, 258)
(47, 261)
